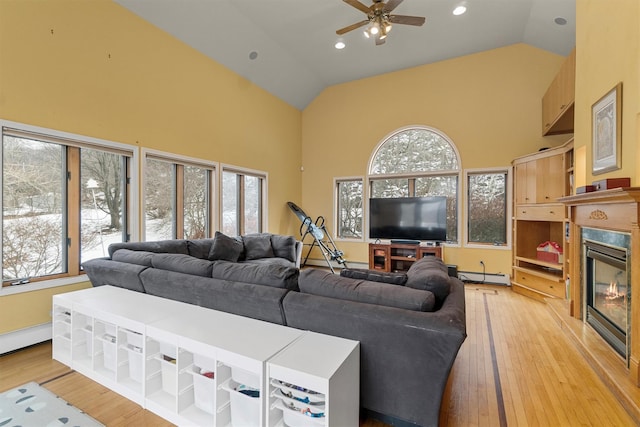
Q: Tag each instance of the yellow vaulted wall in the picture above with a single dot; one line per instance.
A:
(608, 52)
(489, 104)
(93, 68)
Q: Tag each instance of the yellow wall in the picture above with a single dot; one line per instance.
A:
(93, 68)
(608, 52)
(488, 103)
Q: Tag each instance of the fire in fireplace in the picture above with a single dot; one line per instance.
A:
(608, 292)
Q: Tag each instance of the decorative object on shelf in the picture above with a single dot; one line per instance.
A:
(609, 183)
(550, 252)
(607, 131)
(585, 189)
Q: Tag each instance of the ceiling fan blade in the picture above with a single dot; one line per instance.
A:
(391, 4)
(351, 27)
(358, 5)
(407, 20)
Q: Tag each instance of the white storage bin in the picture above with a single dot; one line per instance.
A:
(169, 377)
(247, 378)
(134, 339)
(204, 363)
(110, 352)
(245, 410)
(88, 337)
(169, 350)
(204, 392)
(136, 368)
(110, 329)
(293, 418)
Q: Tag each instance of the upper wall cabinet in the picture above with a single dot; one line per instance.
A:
(558, 101)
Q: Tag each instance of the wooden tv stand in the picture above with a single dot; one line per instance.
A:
(398, 257)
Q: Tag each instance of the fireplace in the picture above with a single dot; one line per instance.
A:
(604, 238)
(607, 278)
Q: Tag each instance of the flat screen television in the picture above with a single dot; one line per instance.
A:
(408, 218)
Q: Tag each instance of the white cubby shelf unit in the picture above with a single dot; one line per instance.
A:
(197, 366)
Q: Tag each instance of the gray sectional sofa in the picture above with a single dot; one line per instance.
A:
(410, 326)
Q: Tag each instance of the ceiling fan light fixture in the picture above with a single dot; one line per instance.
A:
(375, 29)
(366, 33)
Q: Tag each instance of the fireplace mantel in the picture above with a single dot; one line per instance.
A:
(615, 210)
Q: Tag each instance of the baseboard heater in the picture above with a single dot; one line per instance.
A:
(488, 278)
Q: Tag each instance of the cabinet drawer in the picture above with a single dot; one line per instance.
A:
(550, 287)
(540, 213)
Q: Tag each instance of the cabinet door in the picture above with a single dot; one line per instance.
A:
(549, 179)
(526, 183)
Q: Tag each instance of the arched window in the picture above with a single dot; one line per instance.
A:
(416, 162)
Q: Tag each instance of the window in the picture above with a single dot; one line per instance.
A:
(64, 200)
(349, 207)
(487, 207)
(243, 201)
(418, 162)
(178, 199)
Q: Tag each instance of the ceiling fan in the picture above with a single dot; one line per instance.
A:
(379, 19)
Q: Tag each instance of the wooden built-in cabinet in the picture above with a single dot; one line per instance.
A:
(398, 257)
(540, 179)
(558, 101)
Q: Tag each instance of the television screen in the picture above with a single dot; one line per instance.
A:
(408, 218)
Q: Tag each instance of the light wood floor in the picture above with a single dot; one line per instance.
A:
(516, 368)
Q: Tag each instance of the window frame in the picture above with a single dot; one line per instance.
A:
(264, 199)
(178, 162)
(336, 207)
(508, 213)
(370, 177)
(73, 143)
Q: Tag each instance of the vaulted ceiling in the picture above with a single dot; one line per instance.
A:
(287, 46)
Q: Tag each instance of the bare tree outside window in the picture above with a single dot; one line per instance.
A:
(487, 199)
(32, 212)
(349, 209)
(195, 203)
(159, 200)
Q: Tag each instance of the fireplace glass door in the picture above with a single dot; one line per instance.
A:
(607, 293)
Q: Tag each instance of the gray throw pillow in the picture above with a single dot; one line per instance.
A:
(374, 276)
(324, 283)
(284, 247)
(225, 248)
(257, 246)
(430, 274)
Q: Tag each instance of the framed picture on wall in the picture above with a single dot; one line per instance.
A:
(606, 131)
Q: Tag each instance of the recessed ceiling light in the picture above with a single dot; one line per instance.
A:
(253, 55)
(340, 45)
(459, 10)
(560, 20)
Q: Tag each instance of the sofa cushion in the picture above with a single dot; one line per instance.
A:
(374, 276)
(200, 248)
(133, 257)
(257, 246)
(171, 246)
(324, 283)
(182, 264)
(284, 247)
(225, 248)
(275, 275)
(430, 274)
